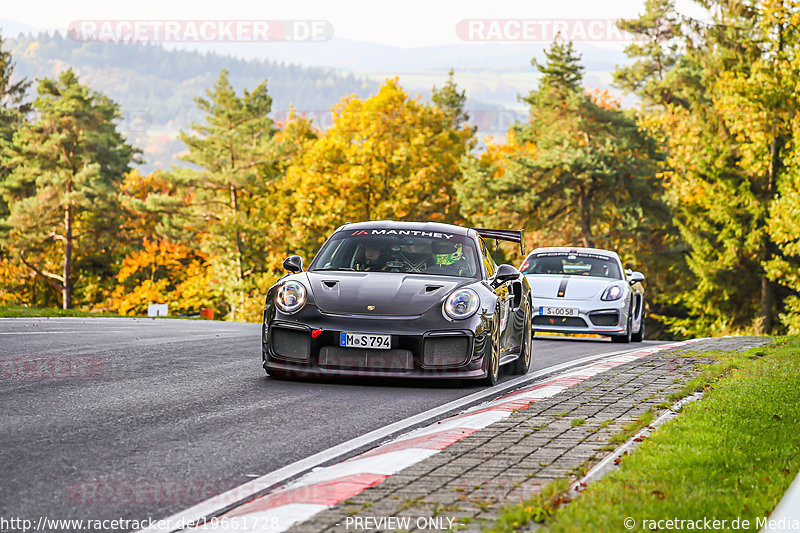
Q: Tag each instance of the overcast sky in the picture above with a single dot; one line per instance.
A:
(408, 23)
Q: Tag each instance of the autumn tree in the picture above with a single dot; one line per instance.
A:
(163, 272)
(722, 107)
(386, 157)
(62, 187)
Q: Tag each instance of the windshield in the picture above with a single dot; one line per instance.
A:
(412, 251)
(575, 264)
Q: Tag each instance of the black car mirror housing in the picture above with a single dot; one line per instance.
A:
(505, 273)
(293, 263)
(636, 277)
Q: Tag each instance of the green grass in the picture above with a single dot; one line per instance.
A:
(18, 311)
(537, 508)
(632, 428)
(729, 456)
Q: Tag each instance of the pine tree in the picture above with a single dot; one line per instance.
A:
(452, 101)
(13, 109)
(578, 170)
(65, 171)
(233, 149)
(562, 70)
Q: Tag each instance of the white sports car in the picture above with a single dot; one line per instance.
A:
(585, 290)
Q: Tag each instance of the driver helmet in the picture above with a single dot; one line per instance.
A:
(446, 253)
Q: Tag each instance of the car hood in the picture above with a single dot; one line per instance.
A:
(387, 293)
(575, 287)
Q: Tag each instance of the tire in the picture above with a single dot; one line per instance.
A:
(625, 338)
(493, 361)
(639, 335)
(523, 362)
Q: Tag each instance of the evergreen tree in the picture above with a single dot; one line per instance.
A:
(233, 149)
(562, 70)
(13, 109)
(657, 75)
(65, 171)
(578, 170)
(452, 101)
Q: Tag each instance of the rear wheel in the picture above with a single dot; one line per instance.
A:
(493, 357)
(523, 362)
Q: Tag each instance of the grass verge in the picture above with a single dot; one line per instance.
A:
(19, 311)
(729, 456)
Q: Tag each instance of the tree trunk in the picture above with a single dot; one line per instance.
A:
(767, 301)
(587, 238)
(66, 291)
(238, 258)
(768, 293)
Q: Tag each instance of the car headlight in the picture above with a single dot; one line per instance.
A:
(461, 304)
(614, 292)
(291, 297)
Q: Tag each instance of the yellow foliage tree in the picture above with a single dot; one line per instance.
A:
(386, 157)
(163, 272)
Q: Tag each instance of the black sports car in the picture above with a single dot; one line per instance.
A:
(400, 299)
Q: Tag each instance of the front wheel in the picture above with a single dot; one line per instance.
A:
(625, 338)
(639, 335)
(523, 362)
(493, 359)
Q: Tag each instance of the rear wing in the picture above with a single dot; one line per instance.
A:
(503, 235)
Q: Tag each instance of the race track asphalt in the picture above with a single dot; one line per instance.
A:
(105, 418)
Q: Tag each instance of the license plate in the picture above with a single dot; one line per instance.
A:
(365, 340)
(558, 311)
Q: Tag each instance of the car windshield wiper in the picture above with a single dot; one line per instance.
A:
(333, 269)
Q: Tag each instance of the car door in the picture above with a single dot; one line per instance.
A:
(503, 293)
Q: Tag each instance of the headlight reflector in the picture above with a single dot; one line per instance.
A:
(614, 292)
(461, 304)
(291, 297)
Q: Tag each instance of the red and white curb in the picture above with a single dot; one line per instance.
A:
(327, 486)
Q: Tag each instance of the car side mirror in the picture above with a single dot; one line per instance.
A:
(505, 273)
(636, 277)
(293, 263)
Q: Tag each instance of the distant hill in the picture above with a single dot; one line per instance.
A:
(156, 87)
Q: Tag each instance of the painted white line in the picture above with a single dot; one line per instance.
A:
(385, 464)
(786, 516)
(232, 498)
(275, 520)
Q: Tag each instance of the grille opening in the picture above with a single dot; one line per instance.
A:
(604, 319)
(445, 351)
(571, 321)
(291, 343)
(336, 356)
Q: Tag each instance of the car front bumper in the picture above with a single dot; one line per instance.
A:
(598, 317)
(307, 344)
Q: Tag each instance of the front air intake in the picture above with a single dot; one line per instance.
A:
(291, 343)
(447, 351)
